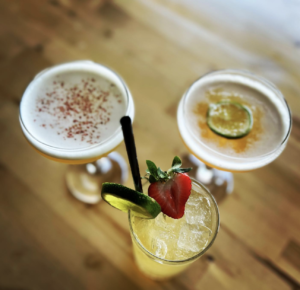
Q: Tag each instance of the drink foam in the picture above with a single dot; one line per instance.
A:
(73, 110)
(271, 125)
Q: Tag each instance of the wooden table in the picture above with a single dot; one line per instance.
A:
(49, 240)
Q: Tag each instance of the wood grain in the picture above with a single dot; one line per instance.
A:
(49, 240)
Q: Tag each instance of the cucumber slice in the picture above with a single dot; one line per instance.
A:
(124, 199)
(229, 119)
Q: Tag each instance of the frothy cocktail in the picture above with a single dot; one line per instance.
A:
(71, 112)
(271, 121)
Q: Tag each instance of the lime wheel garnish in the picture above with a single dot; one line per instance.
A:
(229, 119)
(125, 199)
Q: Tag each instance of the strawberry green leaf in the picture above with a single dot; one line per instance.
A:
(152, 168)
(161, 173)
(176, 162)
(182, 170)
(152, 179)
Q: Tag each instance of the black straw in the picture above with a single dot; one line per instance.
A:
(131, 152)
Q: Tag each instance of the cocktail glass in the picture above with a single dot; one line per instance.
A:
(163, 247)
(93, 164)
(214, 157)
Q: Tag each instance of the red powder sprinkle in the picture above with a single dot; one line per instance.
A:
(85, 105)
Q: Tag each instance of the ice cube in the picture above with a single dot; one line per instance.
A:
(194, 198)
(163, 242)
(198, 211)
(193, 238)
(159, 247)
(165, 222)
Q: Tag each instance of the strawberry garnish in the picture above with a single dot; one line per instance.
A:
(171, 189)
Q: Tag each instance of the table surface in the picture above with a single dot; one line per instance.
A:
(49, 240)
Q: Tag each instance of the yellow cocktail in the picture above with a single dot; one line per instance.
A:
(163, 247)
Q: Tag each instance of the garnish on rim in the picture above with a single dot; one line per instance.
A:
(122, 197)
(171, 189)
(125, 199)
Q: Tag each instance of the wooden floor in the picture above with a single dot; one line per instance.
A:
(48, 240)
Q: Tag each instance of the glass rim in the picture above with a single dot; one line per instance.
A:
(261, 80)
(111, 137)
(190, 259)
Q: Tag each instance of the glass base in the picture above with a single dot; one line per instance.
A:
(84, 181)
(218, 182)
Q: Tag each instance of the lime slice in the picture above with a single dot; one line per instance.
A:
(124, 199)
(229, 119)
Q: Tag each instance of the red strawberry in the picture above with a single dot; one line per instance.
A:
(171, 189)
(172, 195)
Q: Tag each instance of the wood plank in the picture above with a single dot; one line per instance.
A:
(232, 267)
(222, 50)
(292, 254)
(36, 242)
(16, 73)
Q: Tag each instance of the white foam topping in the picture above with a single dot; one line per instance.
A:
(73, 110)
(270, 101)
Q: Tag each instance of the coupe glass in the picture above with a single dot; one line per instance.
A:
(212, 163)
(90, 165)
